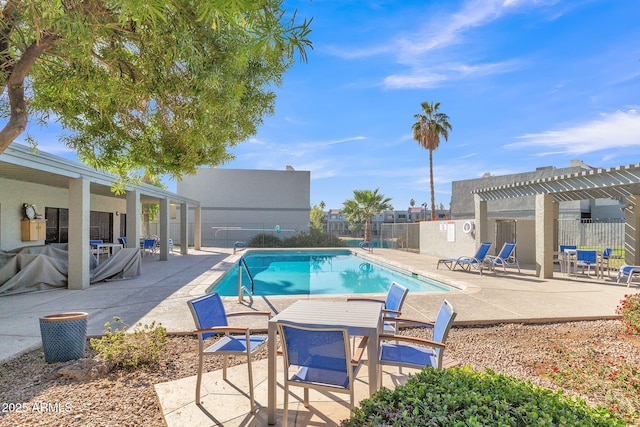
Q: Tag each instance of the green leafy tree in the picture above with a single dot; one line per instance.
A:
(145, 87)
(364, 205)
(427, 130)
(316, 217)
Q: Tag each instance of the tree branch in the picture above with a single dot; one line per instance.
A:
(15, 89)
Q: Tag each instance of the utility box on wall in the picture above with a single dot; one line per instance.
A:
(33, 229)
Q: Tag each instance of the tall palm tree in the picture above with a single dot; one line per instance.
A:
(427, 130)
(364, 205)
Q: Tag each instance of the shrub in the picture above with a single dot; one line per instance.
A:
(314, 239)
(598, 372)
(265, 240)
(142, 347)
(629, 309)
(463, 397)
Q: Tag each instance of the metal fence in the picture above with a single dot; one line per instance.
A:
(404, 237)
(597, 233)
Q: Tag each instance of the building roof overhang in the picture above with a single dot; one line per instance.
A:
(19, 162)
(613, 183)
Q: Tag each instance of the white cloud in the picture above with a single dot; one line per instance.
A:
(617, 130)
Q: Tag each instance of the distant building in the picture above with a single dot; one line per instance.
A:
(238, 204)
(462, 201)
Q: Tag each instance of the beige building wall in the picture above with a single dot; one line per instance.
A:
(13, 194)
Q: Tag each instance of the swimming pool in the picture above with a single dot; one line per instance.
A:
(318, 273)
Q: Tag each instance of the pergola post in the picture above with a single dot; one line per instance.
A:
(544, 235)
(632, 231)
(481, 220)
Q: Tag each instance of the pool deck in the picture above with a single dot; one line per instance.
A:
(161, 292)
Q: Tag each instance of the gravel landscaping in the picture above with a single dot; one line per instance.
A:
(34, 393)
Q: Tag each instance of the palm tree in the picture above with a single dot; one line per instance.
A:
(364, 205)
(428, 129)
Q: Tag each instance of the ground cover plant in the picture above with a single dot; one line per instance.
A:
(464, 397)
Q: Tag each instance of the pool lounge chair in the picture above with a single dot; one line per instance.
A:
(466, 262)
(628, 271)
(505, 258)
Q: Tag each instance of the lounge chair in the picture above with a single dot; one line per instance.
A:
(404, 351)
(321, 358)
(211, 320)
(505, 258)
(628, 271)
(466, 262)
(392, 305)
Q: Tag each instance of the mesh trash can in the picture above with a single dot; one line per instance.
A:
(63, 336)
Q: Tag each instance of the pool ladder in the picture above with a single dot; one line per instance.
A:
(242, 263)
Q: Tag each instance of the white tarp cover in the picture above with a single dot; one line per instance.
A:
(37, 268)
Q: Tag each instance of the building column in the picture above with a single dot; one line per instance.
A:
(164, 229)
(197, 227)
(544, 236)
(134, 213)
(184, 229)
(632, 230)
(481, 220)
(79, 221)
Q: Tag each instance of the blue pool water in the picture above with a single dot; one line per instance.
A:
(318, 273)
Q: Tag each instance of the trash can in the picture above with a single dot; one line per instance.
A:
(63, 336)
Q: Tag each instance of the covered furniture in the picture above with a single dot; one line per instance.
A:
(404, 351)
(317, 357)
(476, 262)
(210, 319)
(506, 258)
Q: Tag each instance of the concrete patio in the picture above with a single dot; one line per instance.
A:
(161, 292)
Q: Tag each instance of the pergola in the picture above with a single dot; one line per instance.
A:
(621, 183)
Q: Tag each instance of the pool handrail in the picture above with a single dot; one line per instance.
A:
(240, 245)
(242, 262)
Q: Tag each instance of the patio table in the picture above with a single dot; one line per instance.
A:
(360, 318)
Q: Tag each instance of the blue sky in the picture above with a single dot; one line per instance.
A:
(525, 84)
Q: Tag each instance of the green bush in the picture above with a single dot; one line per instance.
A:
(265, 240)
(142, 347)
(313, 239)
(463, 397)
(629, 309)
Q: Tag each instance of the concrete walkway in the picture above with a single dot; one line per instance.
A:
(161, 292)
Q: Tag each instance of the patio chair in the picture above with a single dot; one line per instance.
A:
(392, 305)
(607, 256)
(148, 246)
(561, 257)
(321, 358)
(418, 353)
(628, 271)
(505, 258)
(586, 258)
(466, 262)
(210, 319)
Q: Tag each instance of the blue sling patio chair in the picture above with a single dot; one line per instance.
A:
(392, 305)
(321, 359)
(586, 258)
(418, 353)
(505, 258)
(466, 262)
(210, 318)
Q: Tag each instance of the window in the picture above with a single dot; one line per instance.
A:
(100, 225)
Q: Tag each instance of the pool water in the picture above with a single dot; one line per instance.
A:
(318, 273)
